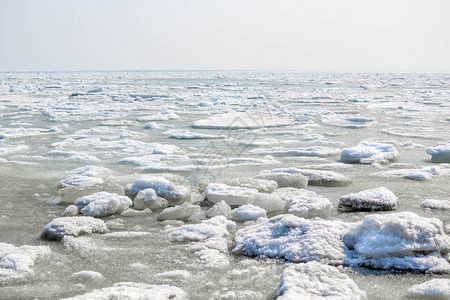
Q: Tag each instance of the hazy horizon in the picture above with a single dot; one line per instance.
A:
(299, 36)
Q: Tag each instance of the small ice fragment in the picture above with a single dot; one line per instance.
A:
(369, 200)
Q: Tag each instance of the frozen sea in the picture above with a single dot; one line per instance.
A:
(248, 138)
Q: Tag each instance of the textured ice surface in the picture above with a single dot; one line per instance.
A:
(314, 280)
(307, 204)
(440, 153)
(80, 180)
(262, 185)
(436, 204)
(10, 149)
(317, 177)
(401, 241)
(432, 289)
(248, 212)
(102, 204)
(346, 121)
(76, 226)
(373, 199)
(179, 212)
(134, 291)
(189, 135)
(16, 262)
(318, 151)
(425, 173)
(293, 239)
(162, 116)
(221, 208)
(147, 198)
(369, 152)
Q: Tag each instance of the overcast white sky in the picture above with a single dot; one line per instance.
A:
(318, 35)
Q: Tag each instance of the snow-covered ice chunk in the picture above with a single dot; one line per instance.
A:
(438, 288)
(80, 180)
(314, 280)
(293, 239)
(425, 173)
(189, 135)
(11, 149)
(221, 208)
(248, 212)
(148, 199)
(102, 204)
(436, 204)
(177, 275)
(346, 121)
(402, 241)
(16, 133)
(241, 120)
(308, 205)
(70, 211)
(70, 194)
(236, 196)
(317, 177)
(440, 153)
(86, 276)
(92, 171)
(368, 152)
(163, 187)
(16, 262)
(212, 228)
(75, 226)
(135, 291)
(179, 212)
(373, 199)
(284, 179)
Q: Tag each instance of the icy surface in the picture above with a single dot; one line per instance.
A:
(314, 280)
(147, 198)
(307, 204)
(102, 204)
(284, 178)
(316, 177)
(369, 152)
(374, 199)
(135, 291)
(241, 121)
(436, 204)
(179, 212)
(248, 212)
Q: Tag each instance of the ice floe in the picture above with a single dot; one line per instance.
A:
(436, 204)
(369, 152)
(424, 173)
(440, 153)
(74, 226)
(189, 135)
(373, 199)
(305, 204)
(162, 116)
(318, 151)
(346, 121)
(11, 149)
(284, 179)
(262, 185)
(102, 204)
(80, 180)
(241, 120)
(401, 241)
(16, 262)
(135, 291)
(438, 288)
(17, 133)
(221, 208)
(314, 280)
(179, 212)
(236, 196)
(147, 198)
(248, 212)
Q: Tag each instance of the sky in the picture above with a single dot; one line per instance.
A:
(313, 35)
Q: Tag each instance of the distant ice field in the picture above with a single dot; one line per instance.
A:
(224, 185)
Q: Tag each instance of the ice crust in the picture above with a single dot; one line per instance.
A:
(74, 226)
(436, 204)
(236, 196)
(284, 179)
(432, 289)
(314, 280)
(402, 241)
(147, 198)
(16, 263)
(240, 120)
(440, 153)
(318, 151)
(80, 181)
(248, 212)
(369, 152)
(179, 212)
(315, 177)
(308, 205)
(373, 199)
(102, 204)
(135, 291)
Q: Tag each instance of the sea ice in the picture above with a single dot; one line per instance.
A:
(314, 280)
(248, 212)
(308, 205)
(440, 153)
(16, 262)
(189, 135)
(86, 277)
(102, 204)
(92, 171)
(162, 116)
(402, 241)
(318, 151)
(236, 196)
(148, 199)
(75, 226)
(164, 187)
(424, 173)
(436, 204)
(373, 199)
(317, 177)
(177, 275)
(369, 152)
(70, 211)
(80, 180)
(135, 291)
(221, 208)
(11, 149)
(179, 212)
(438, 288)
(284, 179)
(293, 239)
(346, 121)
(262, 185)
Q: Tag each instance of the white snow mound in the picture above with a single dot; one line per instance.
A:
(75, 226)
(369, 152)
(373, 199)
